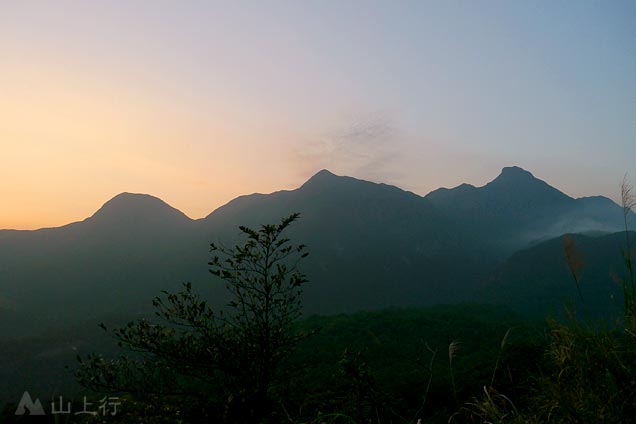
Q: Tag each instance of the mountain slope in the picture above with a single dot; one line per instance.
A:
(537, 280)
(517, 209)
(371, 246)
(115, 260)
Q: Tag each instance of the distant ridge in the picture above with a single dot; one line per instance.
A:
(536, 280)
(514, 180)
(371, 245)
(325, 179)
(510, 177)
(517, 181)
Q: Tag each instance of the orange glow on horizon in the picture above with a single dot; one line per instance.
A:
(71, 142)
(197, 103)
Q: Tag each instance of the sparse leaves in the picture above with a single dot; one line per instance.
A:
(234, 355)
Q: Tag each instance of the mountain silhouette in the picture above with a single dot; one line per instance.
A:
(516, 209)
(138, 209)
(537, 280)
(370, 243)
(371, 246)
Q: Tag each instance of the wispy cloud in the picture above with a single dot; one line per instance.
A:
(366, 148)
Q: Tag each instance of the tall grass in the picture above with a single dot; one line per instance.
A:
(453, 347)
(628, 199)
(592, 374)
(590, 368)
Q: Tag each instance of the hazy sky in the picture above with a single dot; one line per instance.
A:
(198, 102)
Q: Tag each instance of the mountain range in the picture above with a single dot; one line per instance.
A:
(371, 246)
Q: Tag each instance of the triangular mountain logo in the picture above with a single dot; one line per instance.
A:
(35, 408)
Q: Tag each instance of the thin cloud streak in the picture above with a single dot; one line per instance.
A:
(367, 148)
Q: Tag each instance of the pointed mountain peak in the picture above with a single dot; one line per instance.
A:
(517, 178)
(323, 174)
(515, 172)
(326, 182)
(322, 178)
(137, 207)
(517, 182)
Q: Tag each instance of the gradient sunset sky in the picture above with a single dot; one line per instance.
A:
(199, 102)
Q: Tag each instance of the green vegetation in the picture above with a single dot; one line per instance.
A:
(226, 362)
(591, 375)
(255, 362)
(394, 365)
(589, 370)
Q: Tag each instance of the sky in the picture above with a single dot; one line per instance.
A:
(198, 102)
